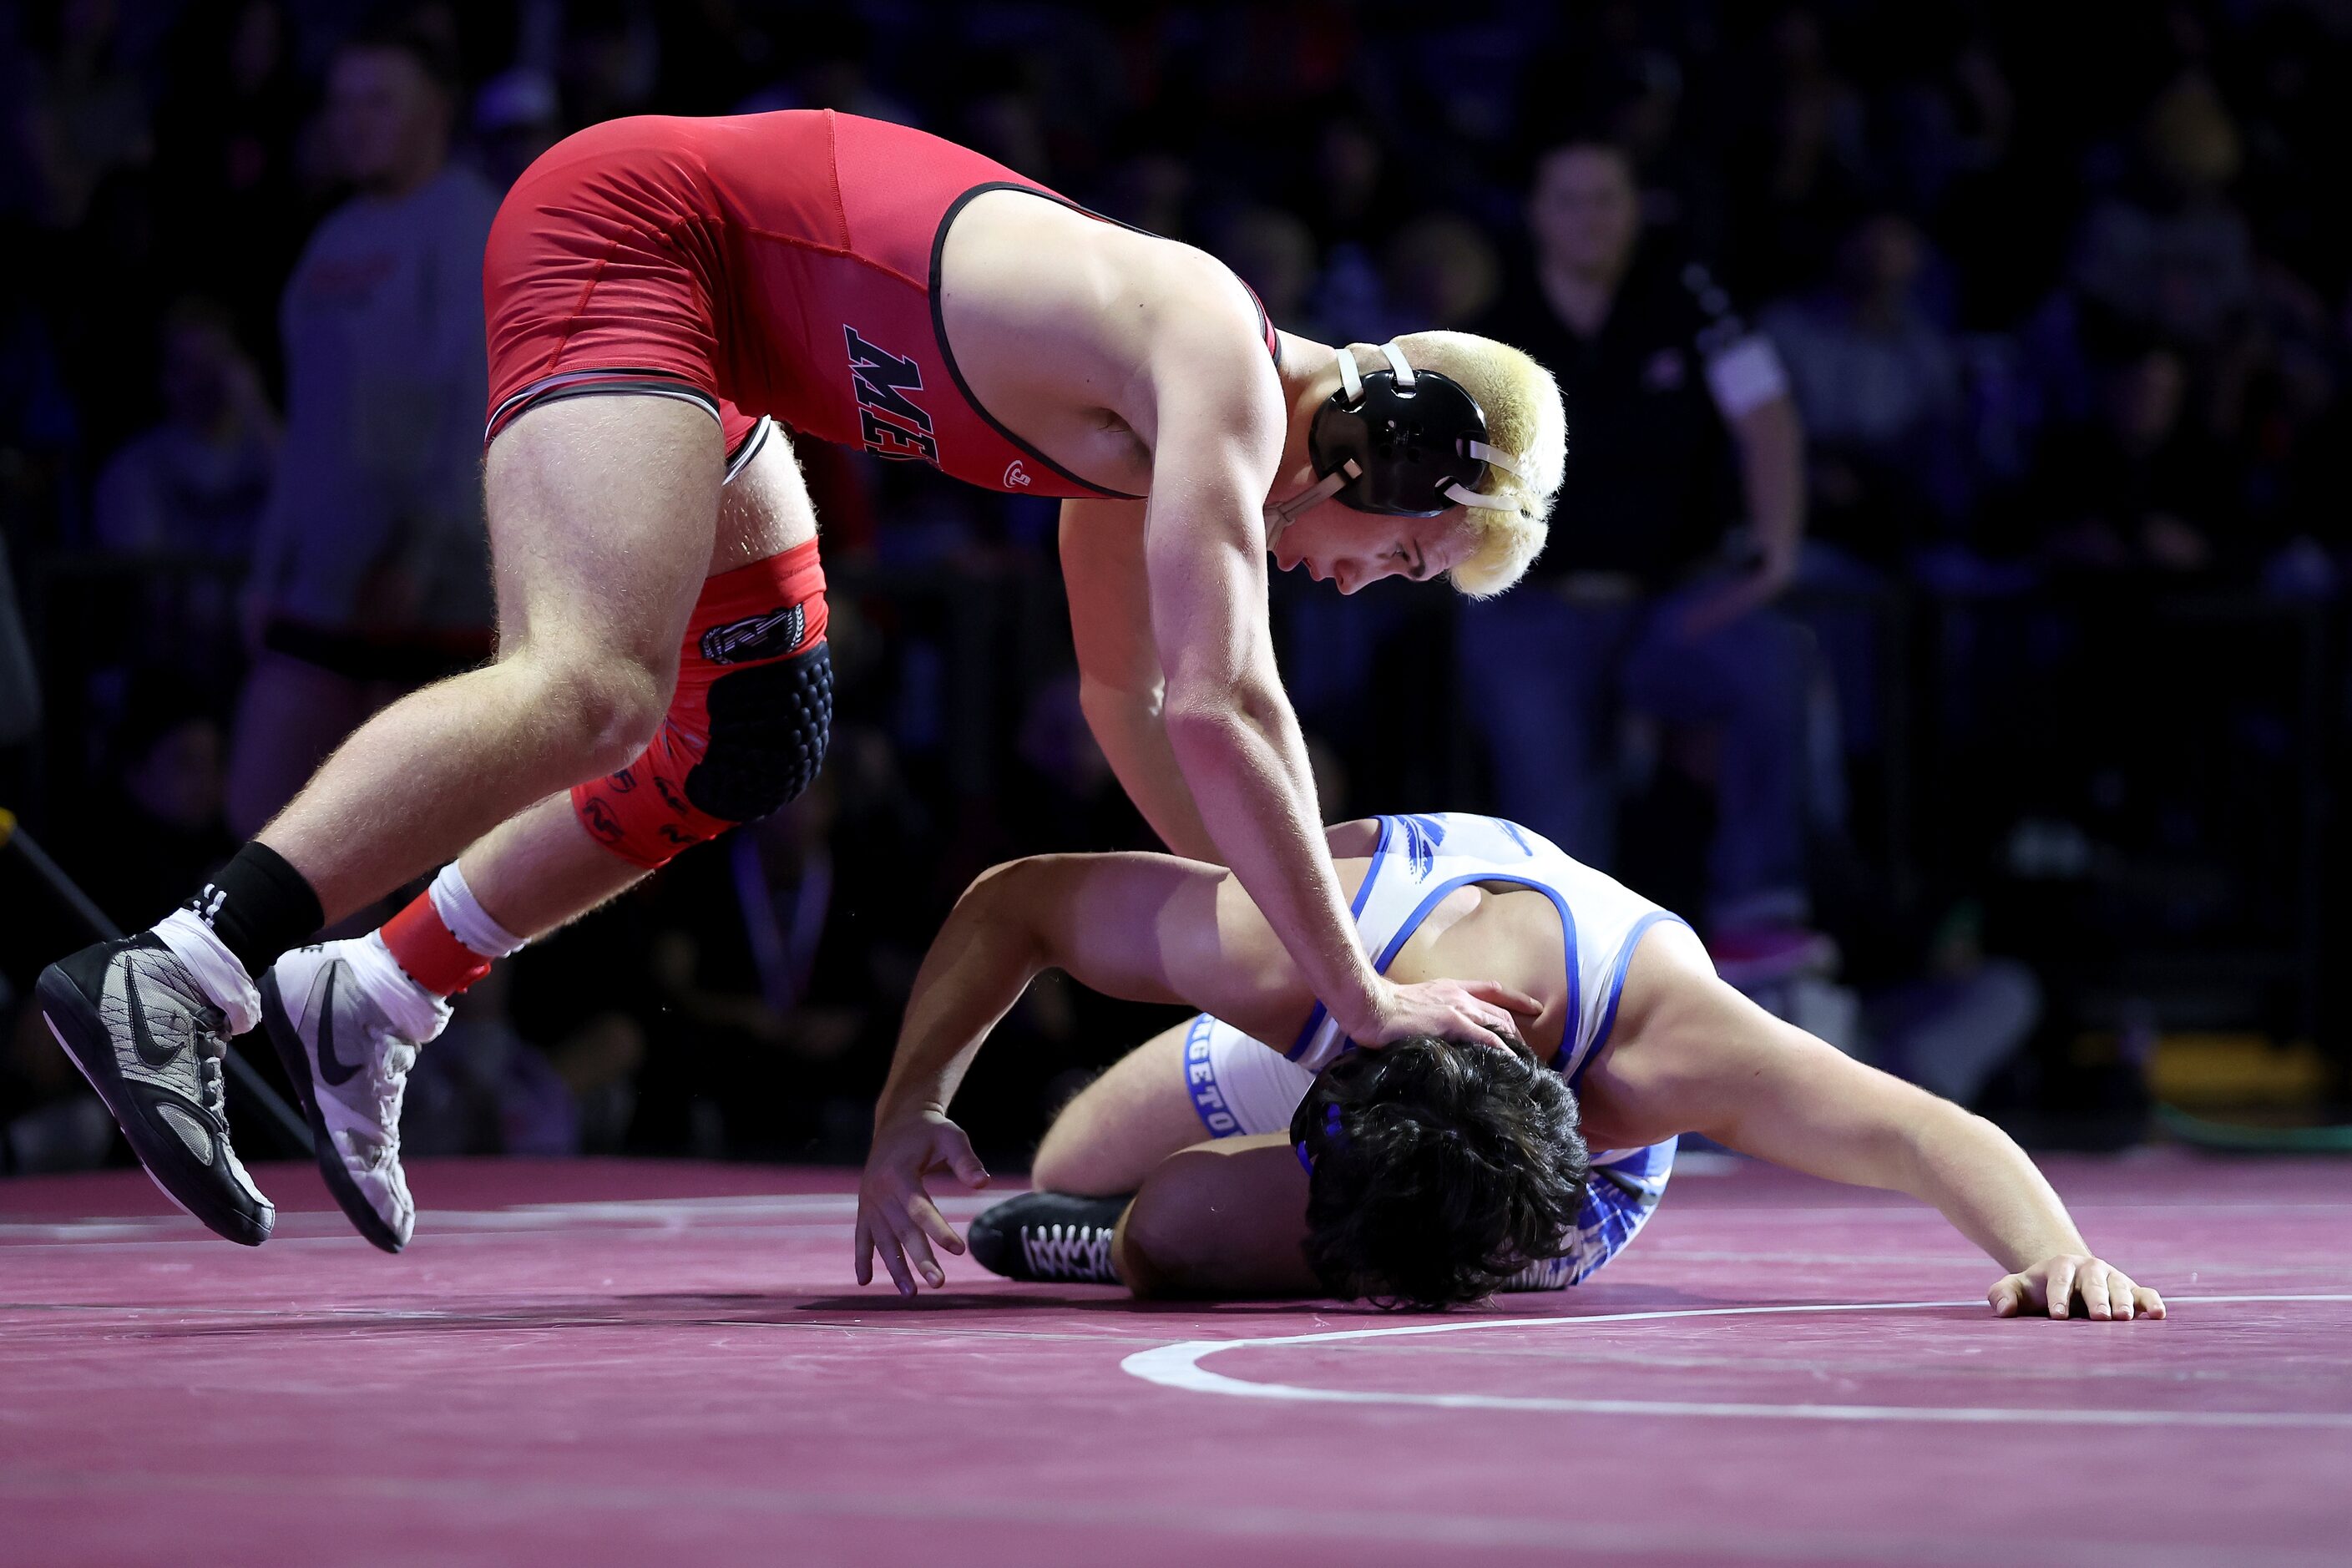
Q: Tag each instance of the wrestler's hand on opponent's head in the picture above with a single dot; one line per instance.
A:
(895, 1216)
(1479, 1012)
(2055, 1284)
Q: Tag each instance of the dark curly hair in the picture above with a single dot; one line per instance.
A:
(1437, 1171)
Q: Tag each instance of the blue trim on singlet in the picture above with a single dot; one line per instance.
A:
(1617, 986)
(1355, 912)
(1201, 1080)
(1567, 937)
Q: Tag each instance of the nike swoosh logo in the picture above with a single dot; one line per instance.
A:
(155, 1056)
(333, 1067)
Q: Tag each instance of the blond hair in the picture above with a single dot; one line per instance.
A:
(1524, 419)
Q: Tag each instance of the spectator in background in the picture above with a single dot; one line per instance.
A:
(39, 426)
(1440, 272)
(516, 116)
(230, 115)
(1351, 188)
(1273, 251)
(1351, 197)
(1804, 156)
(1153, 190)
(484, 1090)
(611, 58)
(2139, 489)
(154, 820)
(2173, 256)
(1879, 387)
(372, 573)
(1635, 599)
(1066, 798)
(80, 111)
(1010, 127)
(830, 49)
(195, 483)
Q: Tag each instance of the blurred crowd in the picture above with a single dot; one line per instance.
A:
(1939, 606)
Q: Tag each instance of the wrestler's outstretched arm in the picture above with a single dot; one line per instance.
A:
(1144, 928)
(1694, 1054)
(1214, 422)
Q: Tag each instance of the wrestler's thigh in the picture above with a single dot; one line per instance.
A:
(1228, 1218)
(602, 512)
(1121, 1125)
(765, 510)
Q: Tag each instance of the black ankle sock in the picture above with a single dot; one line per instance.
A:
(259, 906)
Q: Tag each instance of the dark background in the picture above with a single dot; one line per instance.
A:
(2083, 625)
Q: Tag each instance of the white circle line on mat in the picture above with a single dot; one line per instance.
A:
(1178, 1366)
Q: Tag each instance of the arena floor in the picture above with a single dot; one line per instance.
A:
(633, 1363)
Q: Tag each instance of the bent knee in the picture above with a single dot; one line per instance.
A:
(606, 709)
(769, 724)
(1058, 1162)
(1069, 1162)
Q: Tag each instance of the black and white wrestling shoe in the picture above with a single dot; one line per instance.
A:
(1545, 1274)
(324, 1009)
(1043, 1237)
(131, 1015)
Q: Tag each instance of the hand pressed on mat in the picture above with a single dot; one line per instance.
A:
(2054, 1285)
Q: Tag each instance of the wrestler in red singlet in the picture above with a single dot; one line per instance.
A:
(788, 267)
(785, 264)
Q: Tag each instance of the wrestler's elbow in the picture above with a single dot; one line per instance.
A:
(1222, 711)
(1002, 902)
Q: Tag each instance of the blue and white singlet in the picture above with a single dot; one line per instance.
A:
(1239, 1085)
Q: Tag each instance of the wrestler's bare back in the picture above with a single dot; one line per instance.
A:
(1639, 1088)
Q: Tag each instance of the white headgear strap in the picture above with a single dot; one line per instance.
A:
(1351, 380)
(1279, 518)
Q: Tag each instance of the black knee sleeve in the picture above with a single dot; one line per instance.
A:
(769, 724)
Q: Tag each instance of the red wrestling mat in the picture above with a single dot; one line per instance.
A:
(624, 1363)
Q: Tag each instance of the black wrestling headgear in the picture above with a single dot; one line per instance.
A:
(1398, 442)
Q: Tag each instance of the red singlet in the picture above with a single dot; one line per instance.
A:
(783, 264)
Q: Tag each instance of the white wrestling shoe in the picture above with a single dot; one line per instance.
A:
(324, 1009)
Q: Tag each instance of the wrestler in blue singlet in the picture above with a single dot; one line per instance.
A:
(1239, 1086)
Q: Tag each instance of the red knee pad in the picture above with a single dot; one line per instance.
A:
(745, 731)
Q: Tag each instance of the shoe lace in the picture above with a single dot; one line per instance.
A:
(1079, 1252)
(212, 1084)
(210, 1047)
(393, 1056)
(211, 1050)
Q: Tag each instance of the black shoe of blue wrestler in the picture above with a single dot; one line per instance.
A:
(1049, 1237)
